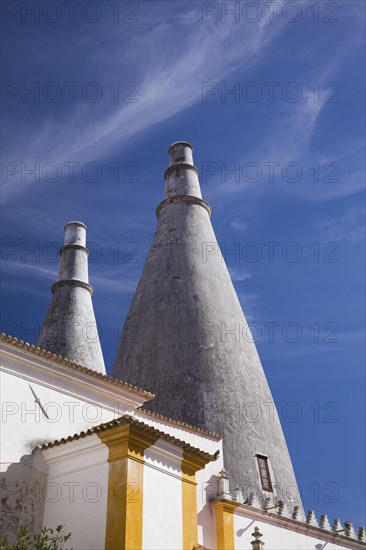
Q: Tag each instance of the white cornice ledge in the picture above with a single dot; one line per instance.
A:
(299, 527)
(69, 378)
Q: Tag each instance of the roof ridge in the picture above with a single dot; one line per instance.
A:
(179, 422)
(123, 420)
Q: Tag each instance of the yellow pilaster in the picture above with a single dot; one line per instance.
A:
(191, 463)
(224, 514)
(126, 444)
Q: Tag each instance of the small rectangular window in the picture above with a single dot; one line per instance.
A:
(264, 473)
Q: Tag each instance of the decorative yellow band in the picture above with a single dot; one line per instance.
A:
(126, 445)
(224, 513)
(191, 463)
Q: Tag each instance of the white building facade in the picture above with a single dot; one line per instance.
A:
(81, 451)
(103, 457)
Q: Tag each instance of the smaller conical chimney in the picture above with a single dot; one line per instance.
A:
(70, 327)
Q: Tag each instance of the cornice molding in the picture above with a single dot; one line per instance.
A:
(54, 371)
(297, 526)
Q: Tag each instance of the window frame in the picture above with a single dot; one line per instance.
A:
(266, 482)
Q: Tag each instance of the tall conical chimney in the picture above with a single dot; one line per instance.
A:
(70, 327)
(186, 339)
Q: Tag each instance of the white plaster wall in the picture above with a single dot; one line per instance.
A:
(23, 424)
(206, 478)
(162, 504)
(206, 489)
(23, 427)
(276, 537)
(197, 439)
(77, 491)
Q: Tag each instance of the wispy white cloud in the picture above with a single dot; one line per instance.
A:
(122, 278)
(16, 276)
(250, 304)
(238, 225)
(239, 274)
(15, 267)
(291, 140)
(349, 228)
(168, 84)
(345, 341)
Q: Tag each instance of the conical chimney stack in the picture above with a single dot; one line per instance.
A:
(70, 327)
(186, 339)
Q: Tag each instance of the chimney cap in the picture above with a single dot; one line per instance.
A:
(80, 224)
(179, 143)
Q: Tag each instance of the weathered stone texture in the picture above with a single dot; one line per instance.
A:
(70, 327)
(176, 343)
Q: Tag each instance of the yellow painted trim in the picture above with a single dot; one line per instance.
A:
(224, 514)
(189, 511)
(127, 443)
(191, 463)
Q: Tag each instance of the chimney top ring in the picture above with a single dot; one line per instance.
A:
(180, 143)
(80, 224)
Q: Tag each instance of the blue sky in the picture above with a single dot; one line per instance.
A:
(281, 161)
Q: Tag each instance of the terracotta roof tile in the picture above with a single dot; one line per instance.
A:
(122, 421)
(35, 350)
(179, 423)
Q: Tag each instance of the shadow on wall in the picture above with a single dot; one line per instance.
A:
(209, 491)
(241, 532)
(23, 489)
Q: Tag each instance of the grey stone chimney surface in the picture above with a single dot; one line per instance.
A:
(70, 327)
(186, 339)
